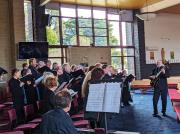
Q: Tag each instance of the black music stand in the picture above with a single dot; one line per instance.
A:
(104, 97)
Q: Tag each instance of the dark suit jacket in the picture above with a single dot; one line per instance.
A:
(17, 93)
(162, 83)
(107, 77)
(65, 77)
(49, 102)
(57, 122)
(34, 72)
(30, 90)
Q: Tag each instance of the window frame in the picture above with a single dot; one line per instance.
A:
(107, 20)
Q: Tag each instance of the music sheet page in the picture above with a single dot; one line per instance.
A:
(112, 97)
(95, 97)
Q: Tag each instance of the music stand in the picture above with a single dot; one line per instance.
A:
(104, 97)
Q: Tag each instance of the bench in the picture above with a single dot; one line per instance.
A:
(174, 95)
(177, 110)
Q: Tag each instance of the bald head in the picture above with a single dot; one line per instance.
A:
(159, 63)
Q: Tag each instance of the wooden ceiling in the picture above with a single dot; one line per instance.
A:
(174, 10)
(159, 6)
(123, 4)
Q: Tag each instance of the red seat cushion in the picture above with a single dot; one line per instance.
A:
(77, 116)
(8, 103)
(37, 120)
(172, 91)
(2, 106)
(99, 130)
(26, 126)
(81, 123)
(14, 132)
(177, 110)
(174, 95)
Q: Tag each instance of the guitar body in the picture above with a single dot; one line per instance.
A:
(154, 82)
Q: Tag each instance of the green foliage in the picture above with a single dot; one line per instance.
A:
(69, 32)
(52, 36)
(116, 62)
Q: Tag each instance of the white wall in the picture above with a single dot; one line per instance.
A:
(90, 55)
(163, 32)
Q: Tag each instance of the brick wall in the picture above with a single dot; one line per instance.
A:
(11, 32)
(77, 55)
(5, 42)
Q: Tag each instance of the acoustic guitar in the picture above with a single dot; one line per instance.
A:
(155, 78)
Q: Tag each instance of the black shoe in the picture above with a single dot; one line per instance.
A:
(127, 104)
(155, 115)
(164, 114)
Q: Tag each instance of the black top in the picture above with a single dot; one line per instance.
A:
(30, 90)
(162, 76)
(66, 77)
(57, 121)
(34, 72)
(78, 73)
(49, 102)
(162, 82)
(17, 92)
(44, 69)
(107, 77)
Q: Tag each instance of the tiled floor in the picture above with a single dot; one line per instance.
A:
(138, 118)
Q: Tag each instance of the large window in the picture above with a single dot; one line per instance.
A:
(53, 34)
(75, 25)
(28, 21)
(84, 25)
(123, 59)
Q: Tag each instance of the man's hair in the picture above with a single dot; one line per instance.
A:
(99, 65)
(63, 99)
(24, 64)
(64, 65)
(104, 66)
(31, 61)
(91, 68)
(48, 61)
(15, 70)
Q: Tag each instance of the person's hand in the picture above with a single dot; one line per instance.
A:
(65, 89)
(22, 84)
(29, 82)
(152, 77)
(163, 71)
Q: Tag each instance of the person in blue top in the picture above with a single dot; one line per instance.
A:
(58, 121)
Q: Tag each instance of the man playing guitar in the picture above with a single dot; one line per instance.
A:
(159, 77)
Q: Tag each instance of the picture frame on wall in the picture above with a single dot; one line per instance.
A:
(172, 55)
(152, 55)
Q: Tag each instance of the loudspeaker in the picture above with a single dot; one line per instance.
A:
(45, 20)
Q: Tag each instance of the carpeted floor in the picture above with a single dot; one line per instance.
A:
(138, 117)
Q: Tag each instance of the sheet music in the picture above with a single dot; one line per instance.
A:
(62, 85)
(112, 97)
(95, 97)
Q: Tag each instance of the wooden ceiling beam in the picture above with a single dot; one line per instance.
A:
(160, 5)
(44, 2)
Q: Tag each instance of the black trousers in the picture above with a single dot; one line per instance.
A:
(20, 115)
(157, 94)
